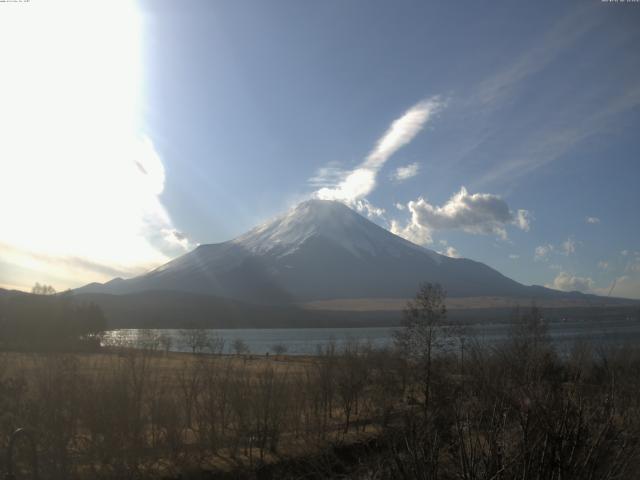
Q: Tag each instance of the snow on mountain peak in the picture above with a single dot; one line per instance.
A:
(329, 219)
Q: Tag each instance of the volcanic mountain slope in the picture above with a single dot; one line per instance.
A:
(318, 250)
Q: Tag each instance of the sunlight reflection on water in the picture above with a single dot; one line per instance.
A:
(305, 341)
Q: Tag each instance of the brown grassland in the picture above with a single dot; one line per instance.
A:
(432, 407)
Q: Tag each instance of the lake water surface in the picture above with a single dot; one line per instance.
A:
(304, 341)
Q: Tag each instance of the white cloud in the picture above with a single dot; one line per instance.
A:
(633, 265)
(403, 130)
(327, 176)
(514, 256)
(542, 251)
(356, 184)
(478, 213)
(413, 232)
(364, 206)
(451, 252)
(569, 283)
(523, 220)
(404, 173)
(592, 220)
(603, 265)
(399, 206)
(568, 246)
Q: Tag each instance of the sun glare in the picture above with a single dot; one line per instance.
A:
(79, 179)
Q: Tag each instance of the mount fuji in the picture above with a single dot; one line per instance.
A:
(318, 251)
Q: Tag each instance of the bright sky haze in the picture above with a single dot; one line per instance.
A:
(505, 132)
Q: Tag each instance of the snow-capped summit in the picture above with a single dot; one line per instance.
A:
(326, 219)
(318, 250)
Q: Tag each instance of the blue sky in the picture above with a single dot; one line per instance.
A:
(250, 107)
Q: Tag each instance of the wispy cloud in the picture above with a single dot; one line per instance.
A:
(562, 121)
(402, 131)
(545, 145)
(592, 220)
(633, 263)
(560, 38)
(449, 250)
(328, 175)
(406, 172)
(569, 246)
(543, 252)
(356, 184)
(548, 144)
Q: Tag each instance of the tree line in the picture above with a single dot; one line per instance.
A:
(46, 320)
(421, 409)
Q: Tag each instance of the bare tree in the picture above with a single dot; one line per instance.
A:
(148, 340)
(197, 339)
(240, 346)
(422, 331)
(279, 349)
(529, 346)
(165, 342)
(351, 378)
(216, 344)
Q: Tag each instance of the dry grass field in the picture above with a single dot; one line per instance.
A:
(129, 413)
(513, 411)
(462, 303)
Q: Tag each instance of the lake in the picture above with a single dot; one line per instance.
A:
(304, 341)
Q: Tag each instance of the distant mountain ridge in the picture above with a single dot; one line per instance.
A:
(319, 250)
